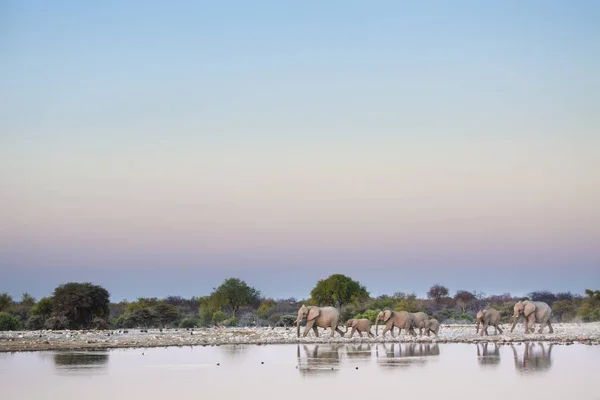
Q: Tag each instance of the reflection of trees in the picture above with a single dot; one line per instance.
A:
(80, 361)
(536, 358)
(318, 358)
(488, 356)
(405, 355)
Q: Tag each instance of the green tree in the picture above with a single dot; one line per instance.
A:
(265, 306)
(338, 290)
(27, 300)
(80, 303)
(9, 322)
(43, 308)
(406, 302)
(235, 293)
(167, 313)
(6, 302)
(564, 310)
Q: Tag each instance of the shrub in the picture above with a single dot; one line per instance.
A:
(189, 323)
(56, 323)
(368, 314)
(218, 317)
(99, 323)
(9, 322)
(286, 320)
(230, 321)
(35, 323)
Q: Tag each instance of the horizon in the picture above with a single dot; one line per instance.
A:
(158, 149)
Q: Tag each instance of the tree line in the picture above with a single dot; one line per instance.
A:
(233, 303)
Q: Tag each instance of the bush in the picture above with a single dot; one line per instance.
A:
(286, 320)
(189, 323)
(230, 321)
(218, 317)
(99, 323)
(142, 317)
(9, 322)
(35, 323)
(368, 314)
(56, 323)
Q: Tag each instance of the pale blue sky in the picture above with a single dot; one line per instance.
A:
(183, 143)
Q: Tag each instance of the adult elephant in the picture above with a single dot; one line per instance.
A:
(322, 317)
(398, 319)
(420, 321)
(532, 311)
(488, 317)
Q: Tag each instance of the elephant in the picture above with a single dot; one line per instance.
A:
(324, 317)
(419, 320)
(361, 325)
(533, 360)
(432, 325)
(533, 311)
(398, 319)
(318, 359)
(405, 355)
(488, 317)
(487, 357)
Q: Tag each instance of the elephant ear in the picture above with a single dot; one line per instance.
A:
(313, 313)
(387, 314)
(529, 308)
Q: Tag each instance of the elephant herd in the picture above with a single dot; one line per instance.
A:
(329, 317)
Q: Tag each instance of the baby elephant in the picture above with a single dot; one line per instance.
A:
(360, 325)
(432, 325)
(488, 317)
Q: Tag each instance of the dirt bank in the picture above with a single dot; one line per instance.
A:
(588, 333)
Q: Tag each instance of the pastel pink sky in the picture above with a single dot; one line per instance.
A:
(199, 144)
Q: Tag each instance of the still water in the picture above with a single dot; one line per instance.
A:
(426, 371)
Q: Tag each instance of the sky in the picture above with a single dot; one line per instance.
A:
(158, 148)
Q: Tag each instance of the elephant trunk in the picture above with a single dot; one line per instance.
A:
(477, 327)
(515, 318)
(376, 326)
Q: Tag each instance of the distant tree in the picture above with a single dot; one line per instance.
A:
(80, 303)
(43, 308)
(463, 299)
(27, 300)
(235, 293)
(545, 296)
(437, 292)
(338, 290)
(167, 313)
(6, 302)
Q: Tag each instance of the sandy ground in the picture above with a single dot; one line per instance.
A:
(588, 333)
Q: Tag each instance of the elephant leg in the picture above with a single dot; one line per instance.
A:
(360, 333)
(499, 329)
(412, 331)
(309, 326)
(550, 327)
(352, 331)
(371, 334)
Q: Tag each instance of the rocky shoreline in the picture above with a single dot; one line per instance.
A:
(567, 333)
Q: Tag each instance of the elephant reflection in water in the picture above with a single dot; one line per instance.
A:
(361, 351)
(535, 358)
(318, 358)
(405, 355)
(488, 356)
